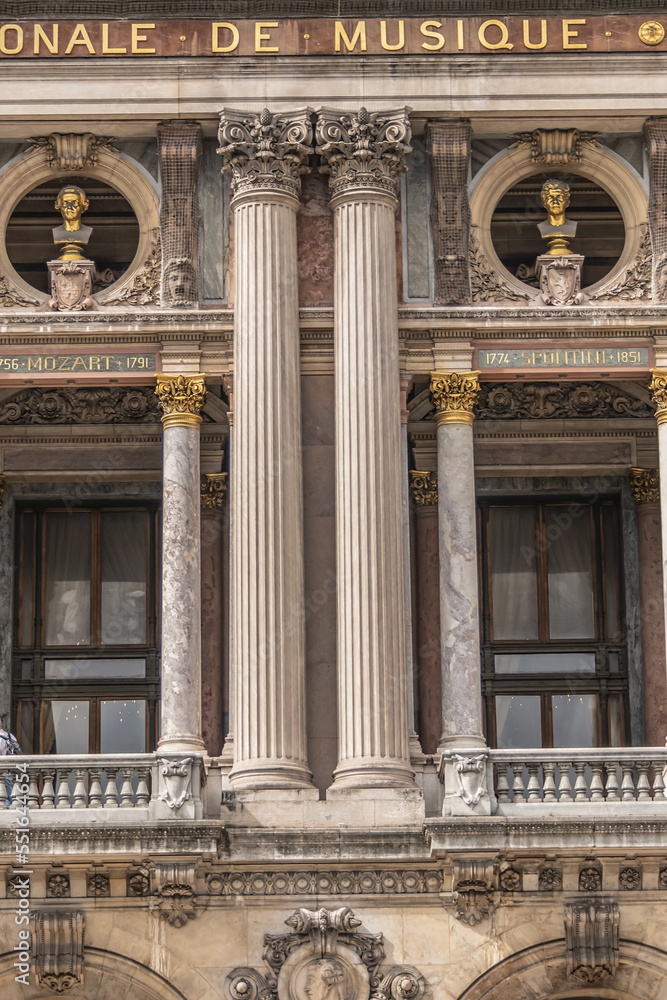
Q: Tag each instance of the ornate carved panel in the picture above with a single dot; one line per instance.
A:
(179, 151)
(99, 405)
(526, 400)
(58, 949)
(591, 934)
(556, 145)
(71, 151)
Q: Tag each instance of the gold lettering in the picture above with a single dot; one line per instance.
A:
(4, 48)
(504, 42)
(106, 51)
(358, 36)
(52, 368)
(432, 34)
(80, 37)
(107, 358)
(41, 36)
(264, 36)
(136, 38)
(459, 35)
(543, 35)
(34, 363)
(383, 36)
(525, 358)
(78, 361)
(568, 33)
(219, 26)
(62, 367)
(93, 363)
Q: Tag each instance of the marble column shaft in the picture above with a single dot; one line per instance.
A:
(454, 395)
(659, 388)
(265, 155)
(363, 153)
(212, 636)
(425, 497)
(181, 398)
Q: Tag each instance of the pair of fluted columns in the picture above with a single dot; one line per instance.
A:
(265, 155)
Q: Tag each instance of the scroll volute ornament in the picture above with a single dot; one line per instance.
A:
(266, 150)
(454, 395)
(182, 398)
(424, 487)
(658, 387)
(645, 485)
(363, 150)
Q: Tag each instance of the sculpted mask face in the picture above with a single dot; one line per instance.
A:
(325, 980)
(180, 282)
(555, 198)
(71, 203)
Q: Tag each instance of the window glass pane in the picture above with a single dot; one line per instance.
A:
(73, 669)
(518, 721)
(124, 548)
(513, 572)
(27, 578)
(612, 569)
(65, 726)
(615, 709)
(570, 564)
(575, 720)
(545, 663)
(67, 605)
(123, 726)
(25, 726)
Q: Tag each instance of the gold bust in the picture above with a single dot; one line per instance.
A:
(72, 203)
(555, 197)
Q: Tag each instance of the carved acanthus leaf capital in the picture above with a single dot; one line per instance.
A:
(454, 395)
(182, 398)
(363, 150)
(645, 485)
(658, 387)
(265, 150)
(213, 490)
(424, 487)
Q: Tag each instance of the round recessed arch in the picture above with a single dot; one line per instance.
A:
(621, 182)
(24, 173)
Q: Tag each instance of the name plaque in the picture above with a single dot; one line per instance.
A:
(563, 359)
(76, 364)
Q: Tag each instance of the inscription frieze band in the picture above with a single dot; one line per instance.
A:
(563, 358)
(75, 364)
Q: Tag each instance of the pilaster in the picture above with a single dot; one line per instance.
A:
(655, 146)
(179, 152)
(448, 146)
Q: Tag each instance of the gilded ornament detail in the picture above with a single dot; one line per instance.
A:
(658, 387)
(266, 150)
(645, 485)
(424, 487)
(454, 395)
(555, 146)
(182, 398)
(363, 150)
(71, 151)
(213, 490)
(651, 32)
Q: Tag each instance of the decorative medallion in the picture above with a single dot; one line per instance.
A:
(99, 885)
(57, 886)
(590, 879)
(550, 880)
(510, 880)
(629, 879)
(138, 883)
(651, 32)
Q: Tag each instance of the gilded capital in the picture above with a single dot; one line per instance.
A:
(181, 398)
(645, 485)
(454, 395)
(213, 490)
(363, 150)
(658, 387)
(266, 150)
(424, 488)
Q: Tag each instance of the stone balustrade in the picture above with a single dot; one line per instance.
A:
(115, 781)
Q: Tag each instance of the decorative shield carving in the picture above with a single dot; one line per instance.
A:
(71, 286)
(176, 775)
(560, 279)
(471, 773)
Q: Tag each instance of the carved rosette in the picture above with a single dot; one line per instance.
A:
(454, 395)
(265, 151)
(424, 488)
(645, 485)
(213, 490)
(658, 387)
(182, 398)
(364, 150)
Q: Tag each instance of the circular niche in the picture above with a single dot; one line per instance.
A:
(600, 231)
(112, 245)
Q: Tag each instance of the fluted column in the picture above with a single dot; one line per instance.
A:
(363, 154)
(454, 395)
(645, 486)
(265, 155)
(181, 398)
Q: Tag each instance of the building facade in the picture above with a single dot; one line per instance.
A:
(333, 403)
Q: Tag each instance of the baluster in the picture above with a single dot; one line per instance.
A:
(80, 789)
(612, 782)
(143, 794)
(48, 794)
(658, 782)
(3, 789)
(549, 771)
(14, 794)
(502, 791)
(597, 785)
(126, 792)
(580, 788)
(33, 790)
(111, 792)
(518, 787)
(643, 786)
(95, 791)
(565, 785)
(534, 787)
(62, 795)
(628, 783)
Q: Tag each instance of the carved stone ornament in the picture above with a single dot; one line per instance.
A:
(658, 387)
(10, 298)
(486, 284)
(145, 287)
(471, 773)
(331, 883)
(549, 400)
(181, 397)
(57, 886)
(176, 897)
(645, 485)
(591, 935)
(265, 150)
(138, 883)
(324, 955)
(556, 146)
(71, 151)
(634, 284)
(99, 884)
(454, 395)
(550, 880)
(424, 488)
(213, 490)
(71, 287)
(473, 882)
(363, 150)
(99, 405)
(560, 280)
(590, 879)
(510, 880)
(176, 781)
(58, 949)
(449, 146)
(629, 879)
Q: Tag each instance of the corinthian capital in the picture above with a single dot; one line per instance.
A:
(265, 150)
(181, 398)
(658, 387)
(424, 487)
(645, 485)
(454, 395)
(363, 150)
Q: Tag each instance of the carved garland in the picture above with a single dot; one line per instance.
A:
(101, 405)
(544, 400)
(485, 283)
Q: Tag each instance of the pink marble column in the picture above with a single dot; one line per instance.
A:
(427, 661)
(645, 489)
(212, 635)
